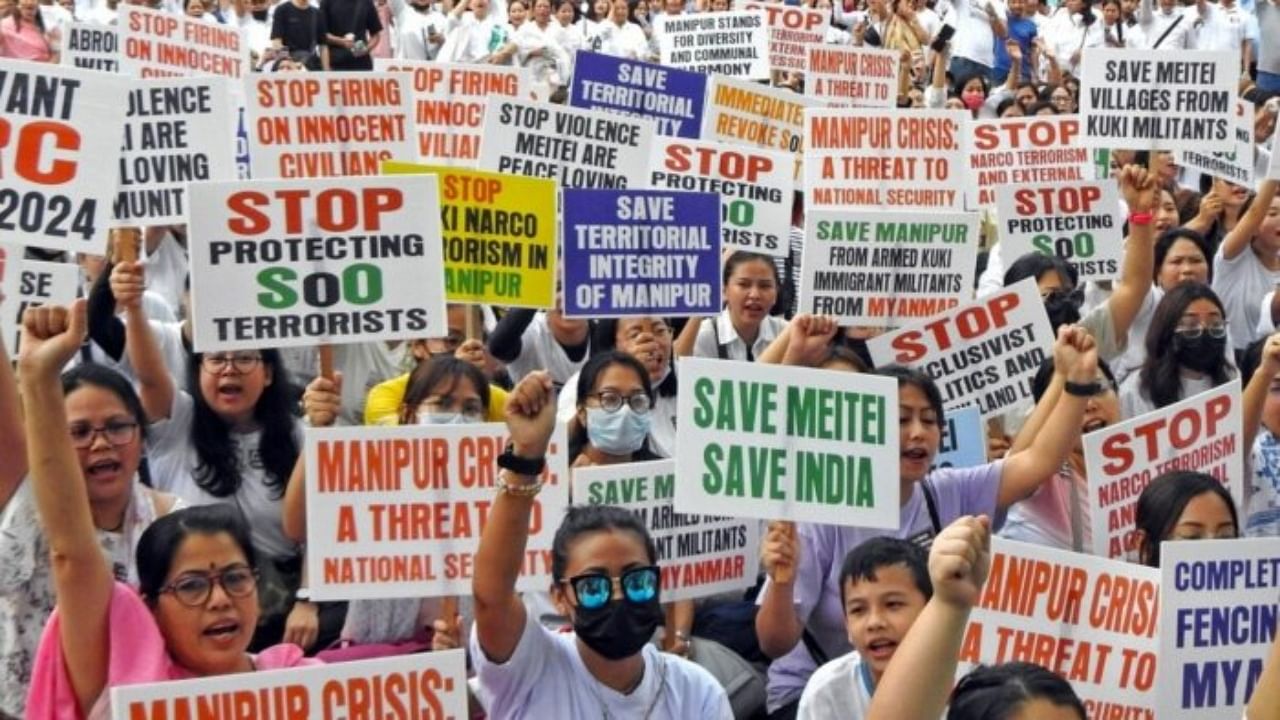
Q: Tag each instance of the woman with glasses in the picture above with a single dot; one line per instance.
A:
(613, 419)
(1182, 505)
(1247, 264)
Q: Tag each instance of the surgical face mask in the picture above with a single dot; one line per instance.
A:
(621, 432)
(1063, 308)
(1203, 354)
(973, 101)
(443, 418)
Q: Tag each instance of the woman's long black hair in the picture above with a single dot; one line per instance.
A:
(1160, 378)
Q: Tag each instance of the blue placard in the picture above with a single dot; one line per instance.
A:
(674, 98)
(242, 148)
(964, 444)
(641, 252)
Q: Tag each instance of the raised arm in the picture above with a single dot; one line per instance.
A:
(688, 337)
(13, 444)
(1138, 266)
(505, 341)
(1043, 409)
(321, 404)
(1265, 703)
(777, 625)
(1255, 393)
(1237, 241)
(155, 384)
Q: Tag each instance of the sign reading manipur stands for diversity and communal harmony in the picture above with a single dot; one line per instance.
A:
(307, 125)
(579, 148)
(162, 44)
(733, 43)
(886, 268)
(60, 131)
(751, 114)
(857, 76)
(449, 101)
(296, 263)
(30, 283)
(1137, 99)
(806, 445)
(1038, 150)
(1078, 222)
(1092, 621)
(91, 46)
(499, 239)
(755, 188)
(1202, 433)
(426, 686)
(700, 555)
(984, 353)
(792, 30)
(672, 98)
(1235, 166)
(398, 511)
(1217, 618)
(641, 252)
(892, 159)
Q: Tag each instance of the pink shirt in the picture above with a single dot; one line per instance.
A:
(26, 43)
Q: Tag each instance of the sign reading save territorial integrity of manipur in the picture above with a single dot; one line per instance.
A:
(671, 97)
(161, 44)
(1014, 151)
(1078, 222)
(297, 263)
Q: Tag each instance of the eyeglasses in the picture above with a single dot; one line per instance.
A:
(193, 590)
(470, 409)
(639, 585)
(1191, 332)
(117, 433)
(612, 402)
(242, 363)
(1075, 296)
(448, 343)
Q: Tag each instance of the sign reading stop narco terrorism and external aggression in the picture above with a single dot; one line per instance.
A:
(30, 283)
(161, 44)
(672, 98)
(1037, 150)
(92, 47)
(745, 113)
(857, 76)
(1235, 166)
(734, 43)
(792, 30)
(280, 263)
(60, 131)
(1078, 222)
(984, 353)
(398, 511)
(1202, 433)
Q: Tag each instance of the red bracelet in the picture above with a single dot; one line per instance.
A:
(1140, 218)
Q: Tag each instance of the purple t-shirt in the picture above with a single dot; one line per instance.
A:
(958, 491)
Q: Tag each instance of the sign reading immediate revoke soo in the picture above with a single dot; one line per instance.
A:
(671, 97)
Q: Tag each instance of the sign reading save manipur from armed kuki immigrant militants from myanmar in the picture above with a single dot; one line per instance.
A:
(296, 263)
(806, 445)
(398, 511)
(1079, 222)
(1040, 150)
(792, 30)
(30, 283)
(884, 269)
(985, 353)
(499, 239)
(91, 46)
(161, 44)
(857, 76)
(700, 555)
(672, 98)
(746, 113)
(734, 43)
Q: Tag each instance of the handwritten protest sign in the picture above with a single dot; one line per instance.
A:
(733, 43)
(296, 263)
(161, 44)
(92, 47)
(755, 188)
(398, 511)
(876, 158)
(672, 98)
(580, 148)
(1025, 150)
(700, 555)
(792, 30)
(984, 353)
(1137, 99)
(1202, 433)
(328, 124)
(30, 283)
(421, 685)
(499, 235)
(1090, 620)
(1235, 166)
(1217, 617)
(964, 444)
(857, 76)
(886, 268)
(449, 104)
(746, 113)
(60, 130)
(1078, 222)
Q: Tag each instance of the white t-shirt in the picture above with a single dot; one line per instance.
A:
(705, 345)
(662, 429)
(411, 33)
(1134, 402)
(625, 41)
(166, 271)
(470, 39)
(1240, 283)
(837, 690)
(975, 39)
(540, 351)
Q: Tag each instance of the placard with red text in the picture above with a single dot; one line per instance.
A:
(1078, 222)
(791, 30)
(746, 113)
(1025, 150)
(161, 44)
(852, 76)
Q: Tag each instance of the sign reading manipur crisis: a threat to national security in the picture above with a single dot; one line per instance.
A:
(671, 97)
(1078, 222)
(734, 43)
(856, 76)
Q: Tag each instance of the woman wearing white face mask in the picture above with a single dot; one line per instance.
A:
(613, 419)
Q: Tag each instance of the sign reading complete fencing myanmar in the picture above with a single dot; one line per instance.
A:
(30, 283)
(700, 555)
(672, 98)
(1038, 150)
(734, 43)
(1078, 222)
(1235, 166)
(92, 47)
(161, 44)
(857, 76)
(297, 263)
(806, 445)
(792, 30)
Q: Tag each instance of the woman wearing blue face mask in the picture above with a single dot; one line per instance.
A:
(613, 419)
(445, 391)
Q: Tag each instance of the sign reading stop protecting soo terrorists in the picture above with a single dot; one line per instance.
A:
(398, 511)
(1235, 166)
(449, 102)
(60, 128)
(745, 113)
(884, 269)
(1078, 222)
(1202, 433)
(30, 283)
(856, 76)
(806, 445)
(672, 98)
(888, 159)
(298, 263)
(755, 188)
(1039, 150)
(984, 353)
(90, 46)
(700, 555)
(733, 43)
(160, 44)
(499, 239)
(792, 30)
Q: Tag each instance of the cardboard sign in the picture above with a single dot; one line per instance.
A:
(311, 125)
(1078, 222)
(1090, 620)
(1217, 619)
(755, 189)
(1235, 166)
(398, 511)
(885, 269)
(964, 442)
(177, 131)
(892, 159)
(857, 76)
(1140, 100)
(30, 283)
(450, 104)
(985, 353)
(92, 47)
(421, 685)
(1202, 433)
(60, 130)
(734, 43)
(700, 555)
(1038, 150)
(792, 30)
(641, 252)
(298, 263)
(161, 44)
(672, 98)
(499, 235)
(805, 445)
(580, 148)
(745, 113)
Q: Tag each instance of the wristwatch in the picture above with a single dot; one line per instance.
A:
(532, 467)
(1082, 389)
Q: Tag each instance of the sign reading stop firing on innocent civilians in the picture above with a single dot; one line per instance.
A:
(1078, 222)
(160, 44)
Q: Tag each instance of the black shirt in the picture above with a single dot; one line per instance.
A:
(298, 29)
